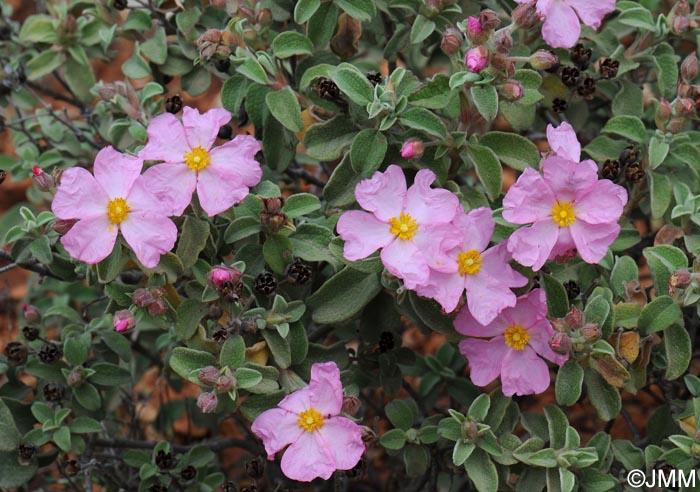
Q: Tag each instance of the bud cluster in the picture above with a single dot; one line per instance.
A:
(150, 298)
(573, 335)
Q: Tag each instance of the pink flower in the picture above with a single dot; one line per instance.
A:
(397, 222)
(466, 262)
(511, 346)
(477, 59)
(568, 207)
(474, 25)
(308, 421)
(561, 28)
(115, 199)
(221, 175)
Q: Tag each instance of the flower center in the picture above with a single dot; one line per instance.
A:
(117, 210)
(516, 337)
(197, 158)
(404, 226)
(563, 214)
(310, 420)
(469, 262)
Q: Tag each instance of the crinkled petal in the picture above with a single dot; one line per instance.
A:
(150, 235)
(561, 28)
(593, 240)
(166, 140)
(531, 246)
(530, 309)
(563, 141)
(405, 261)
(91, 240)
(201, 129)
(343, 439)
(524, 373)
(326, 388)
(298, 401)
(440, 245)
(116, 172)
(238, 157)
(383, 194)
(308, 458)
(277, 428)
(477, 228)
(540, 334)
(363, 234)
(592, 13)
(430, 205)
(485, 358)
(496, 264)
(466, 324)
(569, 179)
(142, 199)
(172, 185)
(445, 288)
(219, 188)
(602, 203)
(79, 196)
(565, 244)
(530, 199)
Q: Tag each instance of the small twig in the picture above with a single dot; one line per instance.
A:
(32, 267)
(214, 445)
(298, 172)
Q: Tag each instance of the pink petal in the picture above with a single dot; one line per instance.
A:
(405, 261)
(142, 199)
(166, 140)
(297, 401)
(467, 325)
(592, 13)
(563, 141)
(238, 157)
(531, 246)
(524, 373)
(308, 458)
(565, 244)
(496, 265)
(219, 188)
(149, 235)
(430, 205)
(116, 172)
(487, 294)
(383, 193)
(530, 199)
(477, 228)
(485, 358)
(326, 388)
(91, 240)
(561, 28)
(593, 240)
(543, 6)
(172, 185)
(277, 428)
(79, 196)
(344, 440)
(201, 129)
(363, 234)
(440, 245)
(540, 333)
(530, 309)
(569, 179)
(602, 203)
(445, 288)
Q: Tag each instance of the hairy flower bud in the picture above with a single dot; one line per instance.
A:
(351, 405)
(208, 375)
(680, 24)
(591, 333)
(106, 92)
(525, 15)
(142, 298)
(489, 20)
(475, 33)
(220, 276)
(684, 106)
(543, 60)
(413, 148)
(42, 180)
(264, 17)
(689, 67)
(76, 377)
(272, 215)
(503, 42)
(157, 308)
(477, 59)
(451, 41)
(680, 279)
(574, 319)
(512, 90)
(31, 313)
(560, 343)
(207, 402)
(123, 320)
(225, 383)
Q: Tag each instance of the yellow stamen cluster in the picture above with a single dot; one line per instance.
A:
(310, 420)
(469, 262)
(197, 158)
(563, 214)
(117, 210)
(516, 337)
(404, 226)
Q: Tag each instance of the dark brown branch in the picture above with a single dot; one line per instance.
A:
(215, 445)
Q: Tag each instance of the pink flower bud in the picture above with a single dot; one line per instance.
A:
(574, 319)
(512, 90)
(351, 405)
(142, 298)
(451, 41)
(207, 402)
(123, 320)
(76, 377)
(475, 32)
(157, 307)
(477, 59)
(680, 279)
(525, 15)
(591, 333)
(689, 67)
(225, 383)
(489, 20)
(560, 343)
(31, 313)
(412, 149)
(208, 375)
(42, 180)
(680, 24)
(220, 276)
(503, 42)
(543, 60)
(62, 226)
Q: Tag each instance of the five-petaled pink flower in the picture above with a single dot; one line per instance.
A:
(466, 262)
(320, 440)
(221, 175)
(397, 221)
(511, 346)
(115, 199)
(568, 207)
(561, 28)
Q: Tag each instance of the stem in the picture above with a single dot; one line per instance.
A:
(214, 445)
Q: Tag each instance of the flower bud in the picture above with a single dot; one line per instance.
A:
(451, 41)
(543, 60)
(368, 435)
(272, 215)
(574, 319)
(42, 180)
(207, 402)
(76, 377)
(689, 67)
(31, 313)
(219, 276)
(512, 90)
(489, 20)
(525, 15)
(560, 343)
(225, 383)
(413, 148)
(684, 106)
(208, 375)
(680, 24)
(477, 59)
(591, 333)
(106, 92)
(264, 17)
(62, 226)
(351, 405)
(475, 33)
(470, 430)
(503, 41)
(680, 279)
(142, 298)
(157, 308)
(123, 320)
(681, 8)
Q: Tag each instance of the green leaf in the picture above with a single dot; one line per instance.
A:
(326, 141)
(107, 374)
(367, 151)
(232, 352)
(277, 251)
(459, 79)
(640, 18)
(233, 92)
(189, 314)
(421, 28)
(301, 204)
(486, 100)
(322, 24)
(241, 228)
(88, 396)
(424, 120)
(399, 414)
(512, 149)
(663, 261)
(362, 10)
(185, 361)
(291, 43)
(77, 348)
(354, 84)
(80, 78)
(311, 243)
(625, 270)
(192, 240)
(629, 127)
(136, 67)
(12, 473)
(284, 106)
(661, 194)
(604, 397)
(393, 439)
(245, 377)
(678, 351)
(156, 48)
(84, 425)
(488, 169)
(281, 351)
(9, 435)
(556, 425)
(434, 94)
(658, 150)
(557, 299)
(462, 451)
(343, 296)
(44, 64)
(416, 460)
(110, 267)
(118, 344)
(252, 69)
(479, 408)
(568, 384)
(304, 9)
(659, 314)
(38, 29)
(482, 471)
